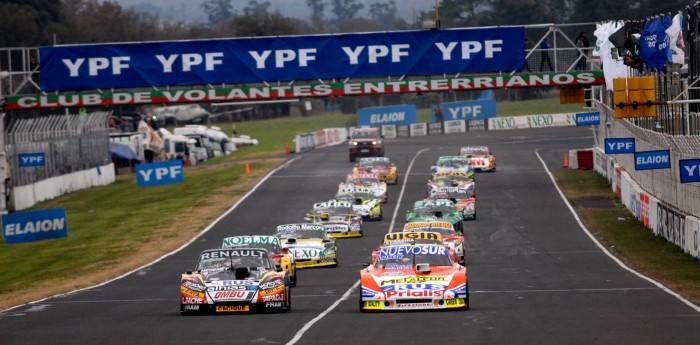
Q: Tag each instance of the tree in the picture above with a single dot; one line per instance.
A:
(317, 8)
(384, 13)
(257, 9)
(218, 10)
(345, 9)
(19, 26)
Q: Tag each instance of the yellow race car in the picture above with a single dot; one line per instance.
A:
(309, 244)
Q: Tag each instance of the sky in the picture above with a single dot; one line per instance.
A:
(191, 11)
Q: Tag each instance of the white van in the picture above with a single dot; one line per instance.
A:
(179, 147)
(205, 149)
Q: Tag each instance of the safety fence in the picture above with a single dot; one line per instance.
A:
(663, 219)
(48, 146)
(664, 184)
(334, 136)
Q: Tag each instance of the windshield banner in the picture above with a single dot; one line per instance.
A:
(285, 58)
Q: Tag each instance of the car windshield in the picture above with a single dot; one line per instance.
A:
(271, 247)
(407, 256)
(449, 178)
(365, 135)
(373, 163)
(220, 264)
(334, 210)
(432, 208)
(450, 193)
(452, 162)
(363, 180)
(302, 234)
(475, 151)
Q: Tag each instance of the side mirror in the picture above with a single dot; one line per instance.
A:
(382, 136)
(348, 137)
(291, 240)
(326, 241)
(365, 264)
(278, 268)
(188, 271)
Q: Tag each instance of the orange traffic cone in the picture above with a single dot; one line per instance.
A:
(566, 160)
(247, 168)
(286, 148)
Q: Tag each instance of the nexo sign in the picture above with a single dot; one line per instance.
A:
(646, 160)
(619, 145)
(156, 174)
(690, 170)
(34, 226)
(585, 119)
(393, 115)
(32, 159)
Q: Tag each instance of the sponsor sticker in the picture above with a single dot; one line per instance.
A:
(373, 304)
(414, 280)
(231, 308)
(398, 252)
(274, 305)
(454, 302)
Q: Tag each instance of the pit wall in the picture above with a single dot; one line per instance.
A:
(676, 227)
(24, 197)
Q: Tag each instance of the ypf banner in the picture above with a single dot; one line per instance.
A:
(253, 60)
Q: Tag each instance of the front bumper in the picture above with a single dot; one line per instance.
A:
(414, 304)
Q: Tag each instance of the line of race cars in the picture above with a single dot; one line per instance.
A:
(256, 272)
(418, 268)
(423, 266)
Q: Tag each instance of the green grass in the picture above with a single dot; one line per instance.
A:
(105, 224)
(627, 237)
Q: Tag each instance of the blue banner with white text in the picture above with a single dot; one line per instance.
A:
(269, 59)
(403, 114)
(34, 226)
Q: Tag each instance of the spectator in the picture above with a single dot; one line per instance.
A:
(544, 47)
(582, 43)
(122, 125)
(438, 113)
(527, 47)
(233, 129)
(34, 69)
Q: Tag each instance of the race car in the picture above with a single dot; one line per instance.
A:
(279, 256)
(450, 238)
(414, 237)
(338, 218)
(237, 280)
(370, 181)
(381, 166)
(435, 210)
(479, 157)
(413, 277)
(452, 164)
(309, 244)
(463, 198)
(363, 200)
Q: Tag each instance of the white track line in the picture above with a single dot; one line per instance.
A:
(613, 257)
(209, 227)
(347, 294)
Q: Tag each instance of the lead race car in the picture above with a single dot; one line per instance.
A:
(272, 244)
(367, 180)
(381, 166)
(234, 281)
(309, 244)
(338, 218)
(413, 277)
(479, 157)
(363, 200)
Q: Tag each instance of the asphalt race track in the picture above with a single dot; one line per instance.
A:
(534, 276)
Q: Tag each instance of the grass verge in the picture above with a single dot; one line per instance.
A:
(117, 228)
(626, 237)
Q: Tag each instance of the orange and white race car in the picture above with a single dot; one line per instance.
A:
(479, 157)
(413, 277)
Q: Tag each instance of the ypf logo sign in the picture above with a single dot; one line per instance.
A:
(619, 145)
(690, 170)
(156, 174)
(32, 159)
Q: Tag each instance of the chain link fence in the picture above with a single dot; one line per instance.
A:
(69, 143)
